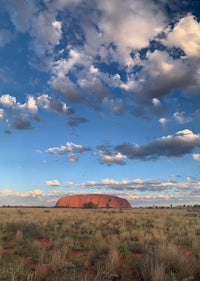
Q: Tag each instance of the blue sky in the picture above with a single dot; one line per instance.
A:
(100, 97)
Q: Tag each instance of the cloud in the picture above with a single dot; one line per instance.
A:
(69, 147)
(47, 33)
(21, 122)
(155, 102)
(22, 113)
(73, 157)
(115, 105)
(160, 75)
(196, 156)
(63, 66)
(29, 107)
(74, 120)
(156, 107)
(185, 35)
(31, 193)
(112, 47)
(126, 24)
(109, 158)
(93, 88)
(35, 197)
(58, 150)
(112, 36)
(162, 71)
(177, 145)
(181, 118)
(138, 192)
(52, 182)
(67, 88)
(108, 182)
(20, 14)
(115, 33)
(52, 104)
(35, 192)
(11, 102)
(163, 121)
(60, 80)
(45, 102)
(2, 114)
(7, 100)
(42, 26)
(140, 185)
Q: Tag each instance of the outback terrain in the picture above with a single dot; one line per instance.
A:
(63, 244)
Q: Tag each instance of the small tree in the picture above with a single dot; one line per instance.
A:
(89, 205)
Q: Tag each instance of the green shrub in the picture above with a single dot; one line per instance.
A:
(89, 205)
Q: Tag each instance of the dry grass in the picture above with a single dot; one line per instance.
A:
(38, 244)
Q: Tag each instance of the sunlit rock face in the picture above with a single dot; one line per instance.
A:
(93, 200)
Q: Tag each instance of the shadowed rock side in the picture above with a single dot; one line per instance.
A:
(98, 200)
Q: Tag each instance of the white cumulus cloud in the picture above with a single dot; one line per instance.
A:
(185, 35)
(7, 100)
(127, 25)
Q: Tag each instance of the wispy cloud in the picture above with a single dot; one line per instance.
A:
(74, 120)
(117, 106)
(181, 118)
(35, 197)
(142, 185)
(69, 147)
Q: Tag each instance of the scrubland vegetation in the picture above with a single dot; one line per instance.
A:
(58, 244)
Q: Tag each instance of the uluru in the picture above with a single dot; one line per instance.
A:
(92, 201)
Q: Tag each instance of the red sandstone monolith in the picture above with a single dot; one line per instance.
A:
(95, 200)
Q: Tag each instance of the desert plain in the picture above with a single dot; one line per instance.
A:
(80, 244)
